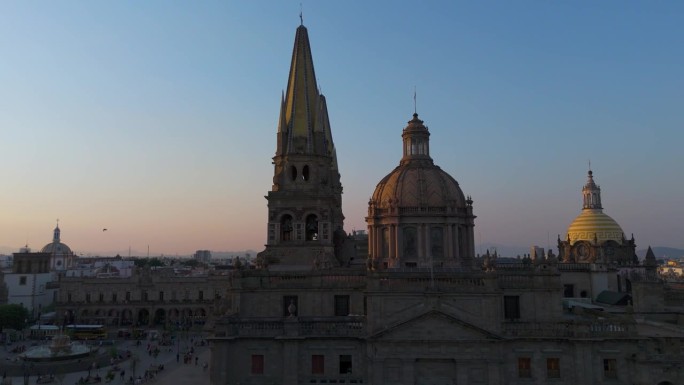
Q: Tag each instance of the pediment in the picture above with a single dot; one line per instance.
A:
(434, 326)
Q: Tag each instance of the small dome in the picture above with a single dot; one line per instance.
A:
(418, 185)
(57, 248)
(594, 224)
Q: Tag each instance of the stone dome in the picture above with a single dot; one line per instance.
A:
(57, 248)
(425, 187)
(594, 224)
(417, 183)
(418, 216)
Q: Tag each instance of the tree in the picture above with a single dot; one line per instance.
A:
(190, 263)
(13, 316)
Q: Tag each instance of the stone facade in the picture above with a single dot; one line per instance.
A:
(146, 299)
(426, 315)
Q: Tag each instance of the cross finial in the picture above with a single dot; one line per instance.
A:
(301, 17)
(415, 104)
(589, 164)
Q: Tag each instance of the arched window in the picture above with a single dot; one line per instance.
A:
(305, 173)
(311, 227)
(286, 228)
(293, 172)
(410, 242)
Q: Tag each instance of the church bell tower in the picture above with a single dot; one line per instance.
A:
(305, 220)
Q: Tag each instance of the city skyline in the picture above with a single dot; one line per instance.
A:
(157, 122)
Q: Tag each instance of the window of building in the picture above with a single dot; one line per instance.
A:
(87, 297)
(305, 173)
(22, 280)
(610, 368)
(68, 297)
(553, 368)
(410, 242)
(286, 228)
(511, 307)
(411, 265)
(311, 227)
(257, 364)
(290, 306)
(128, 296)
(345, 364)
(144, 296)
(437, 242)
(114, 297)
(568, 290)
(200, 295)
(161, 295)
(341, 305)
(317, 364)
(524, 367)
(100, 297)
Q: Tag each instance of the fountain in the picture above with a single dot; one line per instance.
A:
(60, 348)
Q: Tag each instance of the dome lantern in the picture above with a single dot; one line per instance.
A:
(416, 139)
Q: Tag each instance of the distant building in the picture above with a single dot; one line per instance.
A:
(203, 256)
(31, 282)
(61, 256)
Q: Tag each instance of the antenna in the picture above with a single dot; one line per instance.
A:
(589, 164)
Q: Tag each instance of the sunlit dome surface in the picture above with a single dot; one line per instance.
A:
(592, 224)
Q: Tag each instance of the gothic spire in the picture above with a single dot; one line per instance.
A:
(301, 104)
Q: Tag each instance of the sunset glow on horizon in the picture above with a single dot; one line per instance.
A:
(157, 121)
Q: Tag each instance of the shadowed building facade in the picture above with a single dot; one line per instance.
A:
(422, 309)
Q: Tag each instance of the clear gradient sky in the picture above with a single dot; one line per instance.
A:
(157, 119)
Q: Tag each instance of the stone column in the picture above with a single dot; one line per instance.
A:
(457, 245)
(428, 245)
(420, 234)
(399, 238)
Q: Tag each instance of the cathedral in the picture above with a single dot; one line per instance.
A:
(417, 306)
(594, 236)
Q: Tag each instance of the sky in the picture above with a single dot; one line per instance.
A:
(156, 120)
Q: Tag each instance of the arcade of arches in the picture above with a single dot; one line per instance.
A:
(156, 316)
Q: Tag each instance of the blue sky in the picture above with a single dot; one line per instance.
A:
(157, 119)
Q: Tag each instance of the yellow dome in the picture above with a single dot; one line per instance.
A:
(594, 223)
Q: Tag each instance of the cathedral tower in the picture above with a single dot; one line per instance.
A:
(305, 219)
